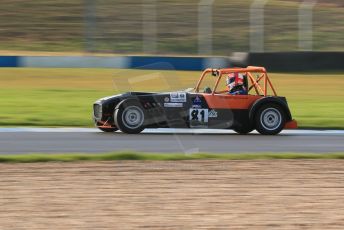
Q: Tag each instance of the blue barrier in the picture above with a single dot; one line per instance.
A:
(74, 62)
(278, 61)
(121, 62)
(9, 61)
(166, 63)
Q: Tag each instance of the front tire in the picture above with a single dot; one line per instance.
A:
(130, 117)
(270, 119)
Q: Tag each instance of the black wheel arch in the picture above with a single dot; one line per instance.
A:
(127, 101)
(281, 101)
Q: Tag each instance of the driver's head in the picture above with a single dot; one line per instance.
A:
(230, 79)
(234, 79)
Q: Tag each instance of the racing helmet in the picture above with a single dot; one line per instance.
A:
(234, 79)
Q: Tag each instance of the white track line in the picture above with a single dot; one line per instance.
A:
(168, 131)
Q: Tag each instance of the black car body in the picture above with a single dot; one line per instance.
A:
(132, 112)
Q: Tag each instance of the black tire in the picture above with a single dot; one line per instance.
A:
(130, 117)
(108, 130)
(270, 119)
(242, 130)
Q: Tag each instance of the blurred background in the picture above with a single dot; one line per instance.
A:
(182, 27)
(109, 42)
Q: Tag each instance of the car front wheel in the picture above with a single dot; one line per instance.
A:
(270, 119)
(130, 117)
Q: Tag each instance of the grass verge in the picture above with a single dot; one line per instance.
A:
(32, 158)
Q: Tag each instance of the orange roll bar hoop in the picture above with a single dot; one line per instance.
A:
(262, 89)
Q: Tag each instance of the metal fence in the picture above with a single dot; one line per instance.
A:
(189, 27)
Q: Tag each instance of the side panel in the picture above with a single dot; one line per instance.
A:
(233, 109)
(224, 111)
(166, 109)
(223, 101)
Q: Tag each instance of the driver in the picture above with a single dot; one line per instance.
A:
(235, 84)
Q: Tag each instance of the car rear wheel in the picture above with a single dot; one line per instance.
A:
(130, 117)
(243, 130)
(270, 119)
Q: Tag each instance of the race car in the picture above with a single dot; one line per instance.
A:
(211, 106)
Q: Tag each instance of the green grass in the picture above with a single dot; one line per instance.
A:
(64, 97)
(70, 157)
(51, 107)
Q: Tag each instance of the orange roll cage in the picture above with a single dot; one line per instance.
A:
(260, 90)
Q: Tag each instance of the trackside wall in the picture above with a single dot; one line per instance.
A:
(121, 62)
(285, 61)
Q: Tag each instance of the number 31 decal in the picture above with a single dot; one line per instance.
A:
(200, 115)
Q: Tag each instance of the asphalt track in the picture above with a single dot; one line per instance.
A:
(89, 140)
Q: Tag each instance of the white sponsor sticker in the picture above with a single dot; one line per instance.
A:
(178, 97)
(173, 105)
(212, 113)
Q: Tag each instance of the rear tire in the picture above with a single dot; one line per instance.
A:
(243, 130)
(270, 119)
(130, 117)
